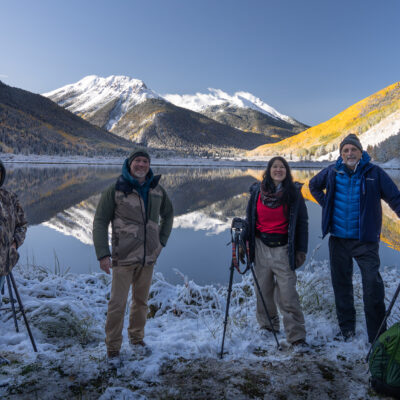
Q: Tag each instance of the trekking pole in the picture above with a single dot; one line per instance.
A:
(21, 309)
(384, 320)
(265, 306)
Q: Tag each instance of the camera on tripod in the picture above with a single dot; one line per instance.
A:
(239, 224)
(239, 242)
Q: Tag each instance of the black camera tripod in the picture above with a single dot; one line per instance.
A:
(13, 287)
(237, 229)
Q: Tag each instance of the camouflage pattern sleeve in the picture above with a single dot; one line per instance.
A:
(20, 222)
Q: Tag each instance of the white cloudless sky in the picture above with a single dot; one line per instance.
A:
(308, 59)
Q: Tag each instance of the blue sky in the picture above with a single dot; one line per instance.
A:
(309, 59)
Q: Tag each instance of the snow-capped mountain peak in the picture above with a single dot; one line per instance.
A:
(199, 102)
(93, 93)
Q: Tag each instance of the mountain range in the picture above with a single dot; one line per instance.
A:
(109, 116)
(196, 124)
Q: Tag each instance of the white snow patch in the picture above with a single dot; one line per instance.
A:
(199, 102)
(383, 130)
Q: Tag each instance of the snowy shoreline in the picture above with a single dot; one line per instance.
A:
(67, 316)
(169, 162)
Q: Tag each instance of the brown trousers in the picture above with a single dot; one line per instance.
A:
(122, 279)
(278, 285)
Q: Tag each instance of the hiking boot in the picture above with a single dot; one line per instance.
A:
(140, 348)
(299, 343)
(269, 329)
(300, 346)
(113, 359)
(344, 336)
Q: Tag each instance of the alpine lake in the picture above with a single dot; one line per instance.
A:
(60, 202)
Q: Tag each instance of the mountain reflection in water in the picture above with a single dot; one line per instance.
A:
(60, 202)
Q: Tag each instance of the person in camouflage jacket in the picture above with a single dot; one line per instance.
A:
(12, 228)
(141, 217)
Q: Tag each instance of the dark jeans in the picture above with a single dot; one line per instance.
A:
(341, 254)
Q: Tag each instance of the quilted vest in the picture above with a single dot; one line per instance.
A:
(346, 206)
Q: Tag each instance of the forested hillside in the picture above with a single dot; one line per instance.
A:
(33, 124)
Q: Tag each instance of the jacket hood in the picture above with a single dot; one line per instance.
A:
(3, 173)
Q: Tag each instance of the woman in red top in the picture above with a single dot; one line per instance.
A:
(278, 236)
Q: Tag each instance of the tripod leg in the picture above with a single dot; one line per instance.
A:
(227, 309)
(265, 307)
(12, 302)
(21, 307)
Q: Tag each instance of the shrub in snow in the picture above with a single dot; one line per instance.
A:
(61, 319)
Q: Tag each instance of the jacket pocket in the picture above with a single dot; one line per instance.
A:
(130, 247)
(153, 245)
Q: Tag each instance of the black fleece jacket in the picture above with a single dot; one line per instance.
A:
(298, 224)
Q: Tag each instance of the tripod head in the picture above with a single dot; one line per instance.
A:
(240, 248)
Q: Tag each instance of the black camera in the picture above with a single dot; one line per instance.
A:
(238, 223)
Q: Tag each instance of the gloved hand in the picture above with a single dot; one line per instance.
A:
(242, 255)
(300, 258)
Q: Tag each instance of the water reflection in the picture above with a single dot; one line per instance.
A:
(60, 203)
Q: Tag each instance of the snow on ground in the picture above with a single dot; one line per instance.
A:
(392, 164)
(184, 330)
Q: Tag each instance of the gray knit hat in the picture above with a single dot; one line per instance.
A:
(351, 139)
(138, 153)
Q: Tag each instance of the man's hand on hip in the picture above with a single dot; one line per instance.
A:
(105, 264)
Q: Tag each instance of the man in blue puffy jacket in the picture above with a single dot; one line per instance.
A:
(352, 214)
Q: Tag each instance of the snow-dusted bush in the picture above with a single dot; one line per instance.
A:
(62, 319)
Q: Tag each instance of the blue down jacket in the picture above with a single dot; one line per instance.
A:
(346, 210)
(298, 224)
(375, 184)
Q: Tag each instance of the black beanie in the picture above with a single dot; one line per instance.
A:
(351, 139)
(138, 153)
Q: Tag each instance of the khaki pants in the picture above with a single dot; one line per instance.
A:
(278, 285)
(122, 279)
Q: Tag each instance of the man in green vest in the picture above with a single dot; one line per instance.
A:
(141, 216)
